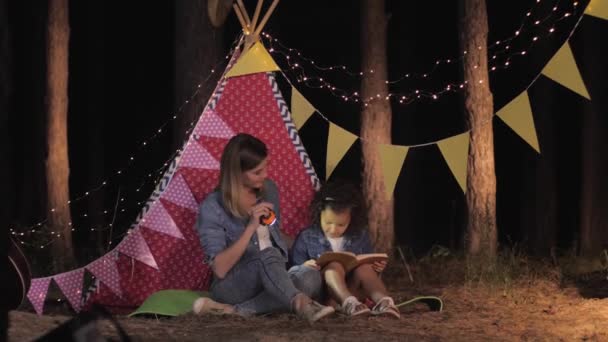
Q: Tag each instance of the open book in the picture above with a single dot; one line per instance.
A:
(349, 260)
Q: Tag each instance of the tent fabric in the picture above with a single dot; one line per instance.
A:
(250, 104)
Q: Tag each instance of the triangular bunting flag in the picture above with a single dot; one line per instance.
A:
(157, 218)
(301, 109)
(179, 193)
(392, 158)
(211, 125)
(255, 60)
(338, 143)
(37, 293)
(200, 181)
(70, 284)
(517, 114)
(104, 269)
(135, 246)
(196, 156)
(563, 70)
(455, 151)
(598, 9)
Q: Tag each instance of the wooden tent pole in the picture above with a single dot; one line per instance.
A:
(256, 15)
(241, 20)
(245, 14)
(259, 28)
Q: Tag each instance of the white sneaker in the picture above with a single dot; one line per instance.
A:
(205, 305)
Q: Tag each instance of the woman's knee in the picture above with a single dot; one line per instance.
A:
(306, 279)
(271, 255)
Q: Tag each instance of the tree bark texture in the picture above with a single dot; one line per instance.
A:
(57, 164)
(198, 49)
(481, 176)
(594, 190)
(375, 122)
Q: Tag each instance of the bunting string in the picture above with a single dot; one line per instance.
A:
(499, 60)
(19, 232)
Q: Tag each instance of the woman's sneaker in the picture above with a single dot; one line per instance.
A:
(206, 305)
(353, 307)
(386, 306)
(313, 311)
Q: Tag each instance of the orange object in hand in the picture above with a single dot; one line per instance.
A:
(269, 219)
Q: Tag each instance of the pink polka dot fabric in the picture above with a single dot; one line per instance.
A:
(158, 219)
(178, 192)
(196, 156)
(136, 247)
(37, 293)
(70, 284)
(200, 181)
(210, 125)
(105, 270)
(164, 251)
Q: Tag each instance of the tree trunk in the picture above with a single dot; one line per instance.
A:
(198, 48)
(594, 191)
(542, 230)
(481, 176)
(375, 122)
(57, 165)
(5, 171)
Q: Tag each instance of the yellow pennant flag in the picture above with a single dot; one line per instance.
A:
(338, 143)
(517, 114)
(301, 109)
(255, 60)
(598, 9)
(455, 151)
(392, 158)
(563, 70)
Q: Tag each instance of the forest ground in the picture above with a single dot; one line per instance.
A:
(520, 300)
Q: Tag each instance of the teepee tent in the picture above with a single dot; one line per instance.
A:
(162, 249)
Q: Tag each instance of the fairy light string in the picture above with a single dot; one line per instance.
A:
(39, 226)
(482, 123)
(402, 98)
(498, 60)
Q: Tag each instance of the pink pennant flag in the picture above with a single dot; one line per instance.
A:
(104, 269)
(157, 218)
(135, 246)
(37, 293)
(196, 156)
(179, 193)
(70, 284)
(211, 125)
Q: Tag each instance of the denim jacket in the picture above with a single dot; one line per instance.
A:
(311, 243)
(218, 228)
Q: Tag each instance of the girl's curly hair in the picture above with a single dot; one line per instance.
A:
(340, 196)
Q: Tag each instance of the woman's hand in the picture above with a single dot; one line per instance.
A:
(257, 211)
(312, 263)
(379, 266)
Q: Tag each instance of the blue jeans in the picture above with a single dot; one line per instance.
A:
(258, 285)
(308, 280)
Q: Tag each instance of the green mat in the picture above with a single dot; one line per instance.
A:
(434, 303)
(169, 302)
(179, 302)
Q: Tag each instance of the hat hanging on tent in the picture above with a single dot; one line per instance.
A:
(218, 11)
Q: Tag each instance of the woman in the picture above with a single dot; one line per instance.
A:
(248, 259)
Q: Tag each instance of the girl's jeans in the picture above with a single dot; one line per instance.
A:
(262, 284)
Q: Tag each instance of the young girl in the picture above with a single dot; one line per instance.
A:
(338, 225)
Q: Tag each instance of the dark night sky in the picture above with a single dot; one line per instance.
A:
(121, 89)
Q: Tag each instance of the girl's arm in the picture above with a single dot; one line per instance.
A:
(299, 253)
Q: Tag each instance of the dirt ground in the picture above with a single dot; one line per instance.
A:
(525, 310)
